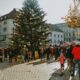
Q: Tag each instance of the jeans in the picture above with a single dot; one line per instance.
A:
(74, 65)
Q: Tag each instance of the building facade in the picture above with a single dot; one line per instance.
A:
(59, 32)
(77, 34)
(6, 28)
(56, 36)
(69, 33)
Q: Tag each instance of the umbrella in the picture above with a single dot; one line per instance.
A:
(76, 42)
(66, 44)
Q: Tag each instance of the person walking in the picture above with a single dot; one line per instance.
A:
(56, 52)
(41, 51)
(5, 54)
(51, 51)
(76, 59)
(25, 52)
(61, 59)
(47, 53)
(1, 55)
(69, 57)
(11, 54)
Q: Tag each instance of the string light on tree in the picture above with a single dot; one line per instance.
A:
(30, 24)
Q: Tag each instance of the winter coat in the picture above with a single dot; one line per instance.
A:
(51, 50)
(56, 51)
(61, 59)
(69, 53)
(76, 52)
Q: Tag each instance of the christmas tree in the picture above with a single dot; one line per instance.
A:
(30, 27)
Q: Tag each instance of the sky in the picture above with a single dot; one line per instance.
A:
(55, 9)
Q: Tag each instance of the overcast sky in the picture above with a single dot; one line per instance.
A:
(55, 9)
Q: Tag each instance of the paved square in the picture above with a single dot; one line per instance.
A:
(29, 72)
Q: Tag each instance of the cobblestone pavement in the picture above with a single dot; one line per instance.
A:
(30, 71)
(4, 65)
(66, 76)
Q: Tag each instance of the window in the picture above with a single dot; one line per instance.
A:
(69, 34)
(58, 35)
(0, 28)
(50, 40)
(1, 18)
(54, 35)
(5, 22)
(61, 36)
(73, 34)
(4, 29)
(2, 37)
(54, 41)
(58, 41)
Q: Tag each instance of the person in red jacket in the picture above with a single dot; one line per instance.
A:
(51, 51)
(76, 59)
(61, 60)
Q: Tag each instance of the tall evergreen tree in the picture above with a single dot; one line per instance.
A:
(30, 27)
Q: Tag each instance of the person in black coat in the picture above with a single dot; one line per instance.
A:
(1, 55)
(69, 56)
(68, 52)
(11, 54)
(47, 51)
(5, 53)
(56, 52)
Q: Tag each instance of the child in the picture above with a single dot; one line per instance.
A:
(61, 60)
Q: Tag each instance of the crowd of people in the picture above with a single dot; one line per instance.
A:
(71, 53)
(43, 52)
